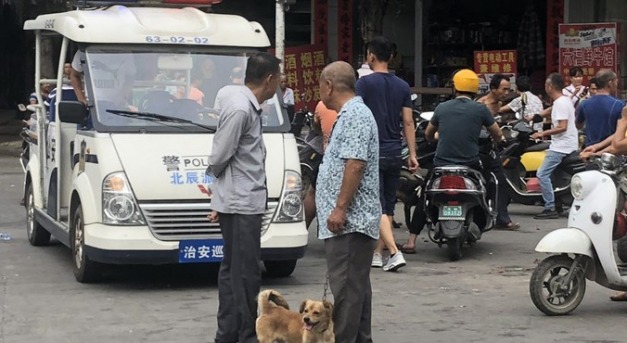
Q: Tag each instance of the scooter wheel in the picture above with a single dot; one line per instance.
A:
(454, 248)
(546, 290)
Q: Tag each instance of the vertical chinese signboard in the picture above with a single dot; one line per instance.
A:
(303, 65)
(321, 29)
(488, 63)
(589, 46)
(345, 30)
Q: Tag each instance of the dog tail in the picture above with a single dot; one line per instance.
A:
(271, 298)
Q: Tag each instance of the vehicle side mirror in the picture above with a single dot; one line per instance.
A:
(74, 112)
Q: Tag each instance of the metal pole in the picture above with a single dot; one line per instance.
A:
(59, 143)
(280, 32)
(41, 120)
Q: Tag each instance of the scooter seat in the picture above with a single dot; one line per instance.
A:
(538, 147)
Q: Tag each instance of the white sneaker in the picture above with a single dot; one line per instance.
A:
(377, 260)
(395, 262)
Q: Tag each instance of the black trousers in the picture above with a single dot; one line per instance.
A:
(348, 262)
(239, 278)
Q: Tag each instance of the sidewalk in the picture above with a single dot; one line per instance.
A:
(10, 141)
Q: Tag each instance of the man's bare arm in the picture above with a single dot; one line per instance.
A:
(76, 79)
(430, 132)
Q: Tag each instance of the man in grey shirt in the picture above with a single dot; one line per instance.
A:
(239, 197)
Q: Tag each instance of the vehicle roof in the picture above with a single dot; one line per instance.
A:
(140, 25)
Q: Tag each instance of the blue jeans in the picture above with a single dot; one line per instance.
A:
(550, 163)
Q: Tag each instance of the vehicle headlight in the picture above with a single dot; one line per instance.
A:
(576, 187)
(291, 204)
(118, 202)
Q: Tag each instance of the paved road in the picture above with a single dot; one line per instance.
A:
(483, 298)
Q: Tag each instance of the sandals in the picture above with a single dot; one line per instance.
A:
(507, 227)
(406, 250)
(622, 296)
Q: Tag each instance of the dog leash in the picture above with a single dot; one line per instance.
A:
(326, 288)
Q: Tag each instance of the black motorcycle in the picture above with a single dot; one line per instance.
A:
(460, 203)
(410, 185)
(301, 119)
(310, 154)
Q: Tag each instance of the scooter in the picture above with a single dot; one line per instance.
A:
(584, 250)
(458, 207)
(301, 119)
(310, 153)
(523, 188)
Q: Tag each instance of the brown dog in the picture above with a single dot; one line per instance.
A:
(276, 323)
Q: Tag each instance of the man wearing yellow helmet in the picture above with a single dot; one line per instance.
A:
(458, 123)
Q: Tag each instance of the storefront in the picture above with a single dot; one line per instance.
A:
(603, 11)
(448, 33)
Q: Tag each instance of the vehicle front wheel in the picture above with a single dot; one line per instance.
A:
(85, 270)
(37, 234)
(547, 291)
(280, 268)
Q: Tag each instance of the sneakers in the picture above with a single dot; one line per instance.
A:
(395, 262)
(377, 260)
(547, 214)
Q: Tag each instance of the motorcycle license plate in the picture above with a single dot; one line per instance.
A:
(451, 211)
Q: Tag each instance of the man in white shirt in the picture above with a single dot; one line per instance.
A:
(564, 141)
(364, 70)
(527, 104)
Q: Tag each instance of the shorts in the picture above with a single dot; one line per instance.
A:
(389, 173)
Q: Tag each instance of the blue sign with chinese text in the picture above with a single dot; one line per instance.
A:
(201, 251)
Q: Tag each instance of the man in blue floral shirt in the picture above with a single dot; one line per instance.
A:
(347, 201)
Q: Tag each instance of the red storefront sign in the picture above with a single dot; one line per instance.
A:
(345, 30)
(303, 65)
(495, 62)
(488, 63)
(591, 46)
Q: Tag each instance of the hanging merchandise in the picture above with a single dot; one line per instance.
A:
(530, 44)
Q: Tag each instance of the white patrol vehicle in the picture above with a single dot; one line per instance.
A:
(122, 180)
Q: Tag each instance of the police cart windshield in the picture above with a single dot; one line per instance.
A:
(139, 89)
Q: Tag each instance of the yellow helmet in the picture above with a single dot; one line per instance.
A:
(466, 80)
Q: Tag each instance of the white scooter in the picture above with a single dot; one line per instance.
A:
(584, 249)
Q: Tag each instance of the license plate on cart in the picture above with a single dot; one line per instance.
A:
(201, 251)
(451, 212)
